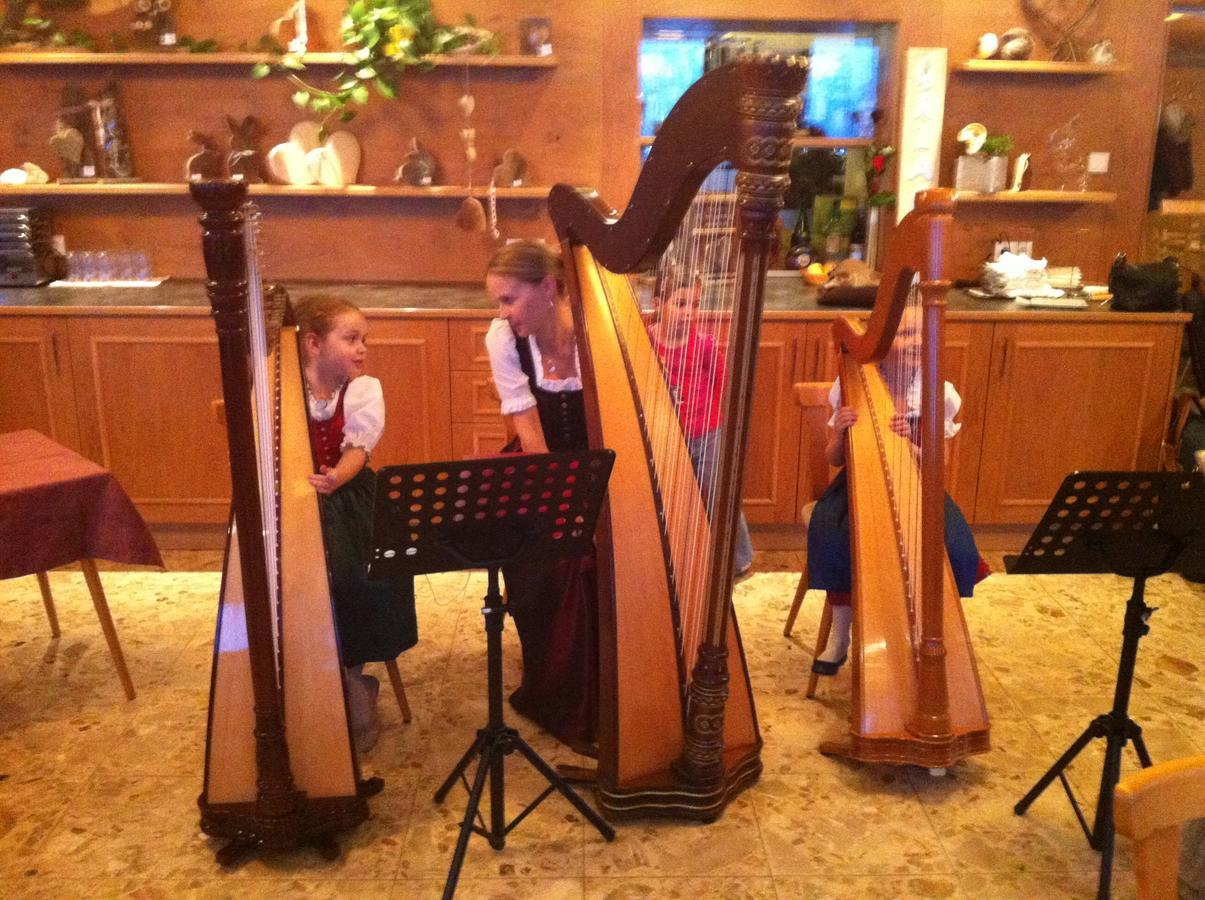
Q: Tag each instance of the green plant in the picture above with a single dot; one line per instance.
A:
(997, 145)
(382, 39)
(42, 32)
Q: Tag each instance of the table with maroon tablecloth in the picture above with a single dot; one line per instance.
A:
(56, 508)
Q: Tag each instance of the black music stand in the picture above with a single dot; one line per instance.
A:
(1135, 524)
(442, 517)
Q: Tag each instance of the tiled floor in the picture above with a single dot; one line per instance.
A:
(98, 795)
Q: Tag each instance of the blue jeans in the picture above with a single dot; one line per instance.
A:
(702, 455)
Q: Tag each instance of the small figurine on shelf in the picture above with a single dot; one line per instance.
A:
(535, 36)
(154, 24)
(291, 29)
(207, 162)
(76, 114)
(68, 144)
(511, 171)
(418, 167)
(245, 160)
(114, 160)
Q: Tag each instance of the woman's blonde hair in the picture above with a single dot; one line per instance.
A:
(528, 261)
(316, 313)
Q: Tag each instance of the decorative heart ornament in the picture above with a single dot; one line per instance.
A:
(303, 160)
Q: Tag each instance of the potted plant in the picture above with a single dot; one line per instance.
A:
(984, 165)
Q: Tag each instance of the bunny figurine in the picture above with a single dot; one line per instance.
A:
(207, 162)
(245, 161)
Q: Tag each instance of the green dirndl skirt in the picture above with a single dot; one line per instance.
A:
(376, 618)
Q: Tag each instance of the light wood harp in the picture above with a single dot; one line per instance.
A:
(678, 733)
(280, 770)
(916, 692)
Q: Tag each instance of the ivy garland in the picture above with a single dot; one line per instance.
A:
(382, 39)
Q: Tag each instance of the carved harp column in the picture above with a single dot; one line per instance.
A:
(678, 731)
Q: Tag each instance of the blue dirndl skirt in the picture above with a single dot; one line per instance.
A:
(830, 560)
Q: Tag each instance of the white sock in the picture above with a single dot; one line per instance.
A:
(838, 636)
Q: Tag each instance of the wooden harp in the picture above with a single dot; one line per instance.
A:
(678, 732)
(280, 769)
(917, 698)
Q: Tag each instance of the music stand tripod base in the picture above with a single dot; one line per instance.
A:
(441, 517)
(1135, 524)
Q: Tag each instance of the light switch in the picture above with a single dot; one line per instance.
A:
(1098, 163)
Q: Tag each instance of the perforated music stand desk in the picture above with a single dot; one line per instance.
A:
(1135, 524)
(486, 513)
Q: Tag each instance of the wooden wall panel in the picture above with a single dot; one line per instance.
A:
(577, 123)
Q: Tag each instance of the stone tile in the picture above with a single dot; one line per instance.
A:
(730, 846)
(669, 888)
(861, 887)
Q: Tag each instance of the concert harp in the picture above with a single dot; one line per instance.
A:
(678, 733)
(280, 769)
(916, 693)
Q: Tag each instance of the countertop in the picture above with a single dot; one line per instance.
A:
(787, 297)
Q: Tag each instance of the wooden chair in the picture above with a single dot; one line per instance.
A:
(1149, 808)
(812, 397)
(399, 690)
(1183, 406)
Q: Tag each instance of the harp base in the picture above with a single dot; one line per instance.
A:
(313, 823)
(670, 797)
(901, 751)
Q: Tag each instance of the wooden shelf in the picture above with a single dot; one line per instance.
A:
(1036, 197)
(365, 191)
(181, 58)
(1038, 67)
(802, 140)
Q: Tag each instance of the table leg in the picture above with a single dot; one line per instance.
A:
(48, 602)
(106, 624)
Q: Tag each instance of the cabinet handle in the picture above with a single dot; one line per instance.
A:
(54, 349)
(1004, 357)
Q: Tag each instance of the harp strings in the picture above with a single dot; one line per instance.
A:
(264, 406)
(692, 313)
(901, 370)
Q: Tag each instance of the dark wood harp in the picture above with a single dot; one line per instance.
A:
(280, 770)
(678, 733)
(916, 692)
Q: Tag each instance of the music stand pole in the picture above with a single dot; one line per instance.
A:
(439, 517)
(1134, 524)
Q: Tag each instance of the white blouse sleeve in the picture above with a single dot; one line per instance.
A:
(363, 414)
(834, 400)
(514, 390)
(953, 405)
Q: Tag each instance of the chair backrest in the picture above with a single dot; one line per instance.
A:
(1183, 406)
(1149, 807)
(814, 471)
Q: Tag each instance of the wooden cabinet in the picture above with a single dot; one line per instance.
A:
(35, 372)
(772, 454)
(145, 389)
(1065, 396)
(477, 426)
(410, 357)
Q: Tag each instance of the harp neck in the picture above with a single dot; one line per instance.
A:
(742, 113)
(916, 251)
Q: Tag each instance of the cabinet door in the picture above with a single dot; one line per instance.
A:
(146, 388)
(35, 378)
(1063, 397)
(968, 347)
(772, 453)
(410, 357)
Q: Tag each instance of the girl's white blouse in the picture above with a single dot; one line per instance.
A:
(363, 412)
(514, 390)
(953, 403)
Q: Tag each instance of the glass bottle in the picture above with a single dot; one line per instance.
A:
(800, 254)
(857, 237)
(834, 237)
